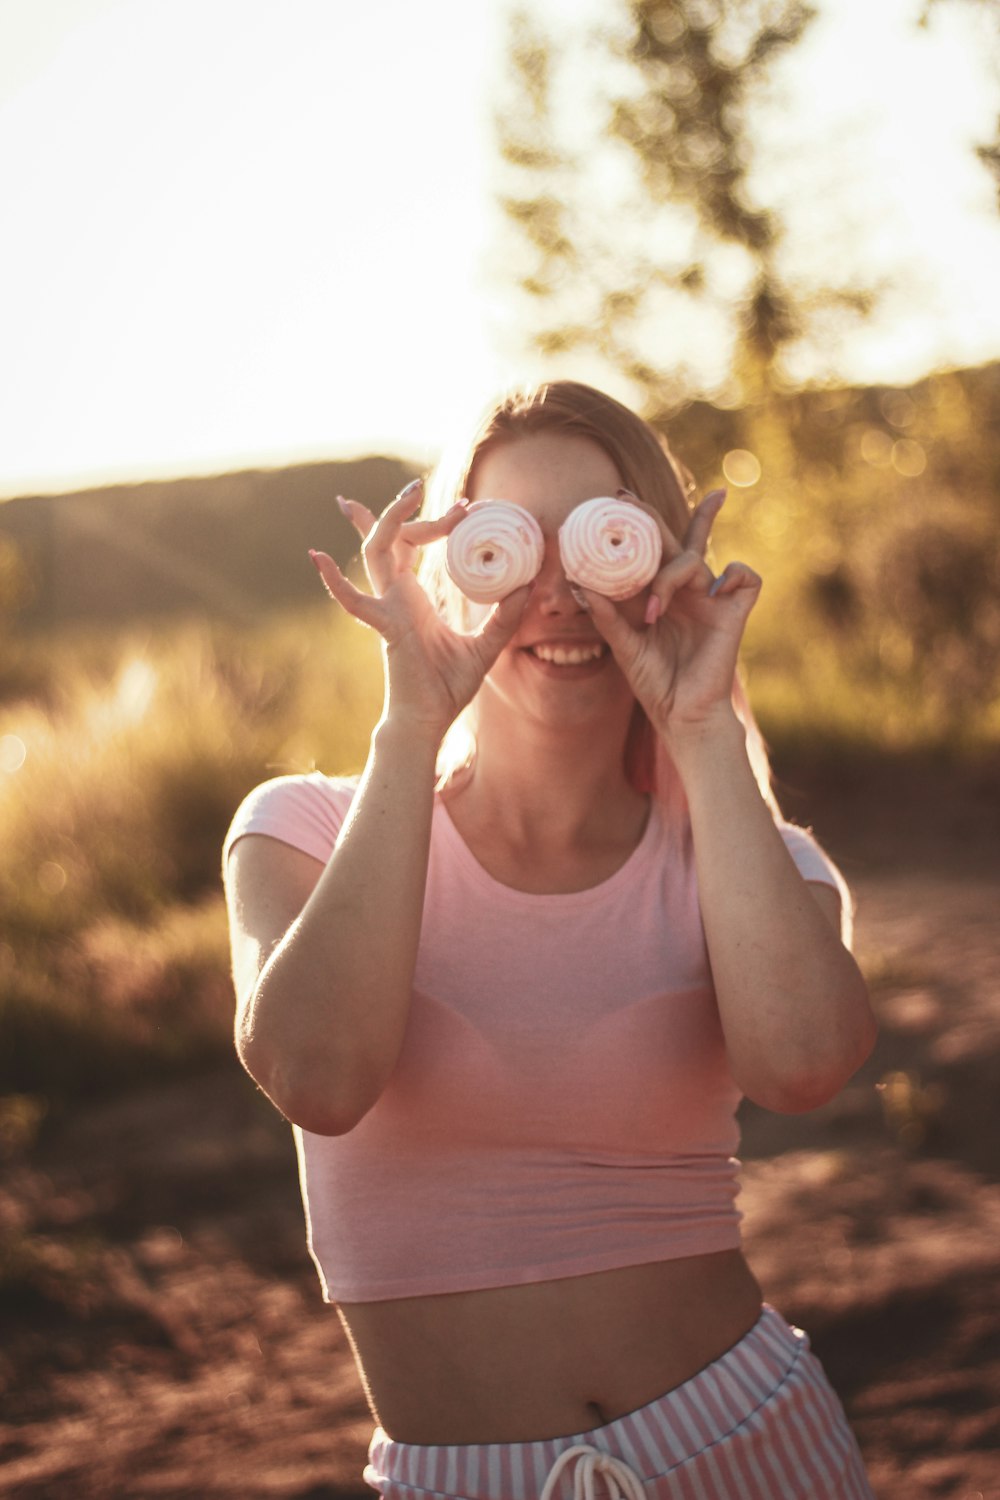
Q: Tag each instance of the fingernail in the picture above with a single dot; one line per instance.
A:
(408, 490)
(343, 505)
(316, 561)
(718, 495)
(653, 609)
(716, 586)
(625, 495)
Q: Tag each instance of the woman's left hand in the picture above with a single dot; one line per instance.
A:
(681, 662)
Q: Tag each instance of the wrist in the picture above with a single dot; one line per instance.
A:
(689, 742)
(407, 734)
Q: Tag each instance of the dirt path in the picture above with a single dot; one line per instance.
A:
(163, 1332)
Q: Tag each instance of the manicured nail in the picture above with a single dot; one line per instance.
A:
(715, 495)
(414, 484)
(316, 562)
(343, 505)
(625, 495)
(653, 610)
(716, 586)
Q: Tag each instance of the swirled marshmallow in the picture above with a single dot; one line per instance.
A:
(497, 548)
(610, 546)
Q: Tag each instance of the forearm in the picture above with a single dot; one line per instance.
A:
(329, 1010)
(793, 1005)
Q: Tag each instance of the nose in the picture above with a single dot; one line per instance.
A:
(553, 594)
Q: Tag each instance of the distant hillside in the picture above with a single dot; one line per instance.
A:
(848, 468)
(227, 545)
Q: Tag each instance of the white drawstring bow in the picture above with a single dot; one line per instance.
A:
(620, 1482)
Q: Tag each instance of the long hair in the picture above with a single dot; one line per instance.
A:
(648, 468)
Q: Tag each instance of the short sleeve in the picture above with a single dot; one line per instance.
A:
(813, 863)
(305, 811)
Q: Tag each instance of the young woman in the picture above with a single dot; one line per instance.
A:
(510, 994)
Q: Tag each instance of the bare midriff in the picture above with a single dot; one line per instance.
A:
(552, 1358)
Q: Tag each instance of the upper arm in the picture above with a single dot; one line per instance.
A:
(268, 883)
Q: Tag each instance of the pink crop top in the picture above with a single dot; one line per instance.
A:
(562, 1103)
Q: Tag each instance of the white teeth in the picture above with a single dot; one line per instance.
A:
(567, 656)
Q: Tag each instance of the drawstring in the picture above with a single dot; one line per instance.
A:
(621, 1482)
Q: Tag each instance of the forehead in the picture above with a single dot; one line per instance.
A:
(547, 472)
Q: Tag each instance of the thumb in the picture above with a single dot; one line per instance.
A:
(616, 630)
(500, 625)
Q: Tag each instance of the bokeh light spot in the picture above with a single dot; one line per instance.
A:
(876, 448)
(741, 467)
(52, 878)
(898, 408)
(13, 753)
(908, 458)
(135, 690)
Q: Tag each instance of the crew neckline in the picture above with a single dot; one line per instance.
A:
(633, 865)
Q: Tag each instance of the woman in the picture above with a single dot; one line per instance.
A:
(510, 997)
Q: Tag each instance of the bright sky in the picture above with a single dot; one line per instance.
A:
(245, 231)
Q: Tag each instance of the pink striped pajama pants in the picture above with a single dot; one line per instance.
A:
(760, 1423)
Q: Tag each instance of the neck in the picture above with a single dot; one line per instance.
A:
(552, 787)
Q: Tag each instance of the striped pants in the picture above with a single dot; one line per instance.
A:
(760, 1423)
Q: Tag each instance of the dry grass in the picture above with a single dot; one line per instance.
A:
(113, 956)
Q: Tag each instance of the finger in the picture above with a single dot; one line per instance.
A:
(391, 520)
(687, 569)
(377, 549)
(735, 578)
(420, 532)
(360, 517)
(702, 520)
(613, 626)
(500, 625)
(671, 546)
(362, 606)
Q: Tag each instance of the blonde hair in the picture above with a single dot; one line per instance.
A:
(648, 468)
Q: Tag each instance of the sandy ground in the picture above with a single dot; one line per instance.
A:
(163, 1334)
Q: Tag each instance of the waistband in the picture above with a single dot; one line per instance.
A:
(673, 1428)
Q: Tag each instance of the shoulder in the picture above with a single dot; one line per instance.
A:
(808, 855)
(306, 811)
(815, 865)
(811, 859)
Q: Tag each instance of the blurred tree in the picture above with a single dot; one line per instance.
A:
(991, 156)
(989, 13)
(641, 236)
(642, 241)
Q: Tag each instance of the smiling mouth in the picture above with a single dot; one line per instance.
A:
(569, 656)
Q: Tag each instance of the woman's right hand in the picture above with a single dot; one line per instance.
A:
(432, 671)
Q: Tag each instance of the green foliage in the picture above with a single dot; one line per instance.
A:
(874, 525)
(628, 154)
